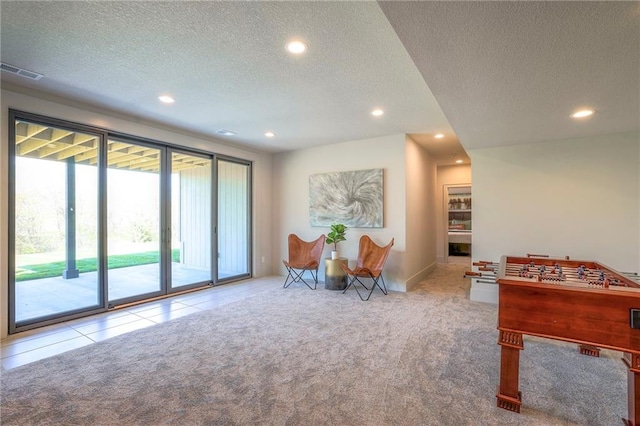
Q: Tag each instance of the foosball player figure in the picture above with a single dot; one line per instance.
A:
(557, 269)
(581, 272)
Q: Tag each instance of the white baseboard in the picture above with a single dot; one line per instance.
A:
(421, 275)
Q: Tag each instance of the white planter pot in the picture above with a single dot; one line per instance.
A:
(334, 255)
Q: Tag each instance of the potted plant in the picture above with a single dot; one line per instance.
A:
(335, 236)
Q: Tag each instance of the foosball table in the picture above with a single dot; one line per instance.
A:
(583, 302)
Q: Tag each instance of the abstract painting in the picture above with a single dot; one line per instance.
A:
(351, 198)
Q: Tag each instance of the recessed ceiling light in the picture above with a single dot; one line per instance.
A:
(296, 47)
(377, 112)
(439, 136)
(459, 161)
(166, 99)
(583, 113)
(269, 134)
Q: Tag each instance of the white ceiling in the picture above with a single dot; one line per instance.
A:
(509, 73)
(503, 73)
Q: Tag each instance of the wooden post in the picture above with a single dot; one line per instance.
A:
(71, 271)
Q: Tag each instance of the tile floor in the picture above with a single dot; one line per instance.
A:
(32, 345)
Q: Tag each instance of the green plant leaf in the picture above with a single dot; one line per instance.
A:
(336, 235)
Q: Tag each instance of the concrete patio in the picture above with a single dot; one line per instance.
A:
(48, 296)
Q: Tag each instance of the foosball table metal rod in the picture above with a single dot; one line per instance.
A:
(544, 256)
(485, 281)
(480, 277)
(486, 263)
(632, 275)
(471, 274)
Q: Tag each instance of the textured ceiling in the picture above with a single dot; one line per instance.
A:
(500, 72)
(226, 65)
(509, 73)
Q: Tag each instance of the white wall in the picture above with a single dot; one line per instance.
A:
(421, 230)
(448, 175)
(58, 108)
(291, 171)
(194, 207)
(577, 197)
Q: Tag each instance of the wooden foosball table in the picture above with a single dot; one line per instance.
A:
(574, 301)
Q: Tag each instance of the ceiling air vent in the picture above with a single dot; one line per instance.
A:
(225, 132)
(21, 72)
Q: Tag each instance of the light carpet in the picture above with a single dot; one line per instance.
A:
(300, 357)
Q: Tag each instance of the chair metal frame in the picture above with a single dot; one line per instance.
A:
(371, 261)
(303, 256)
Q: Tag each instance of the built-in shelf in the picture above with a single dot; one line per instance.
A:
(459, 221)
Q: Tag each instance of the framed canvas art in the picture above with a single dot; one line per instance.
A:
(352, 198)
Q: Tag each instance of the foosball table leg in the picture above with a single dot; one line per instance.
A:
(632, 361)
(508, 396)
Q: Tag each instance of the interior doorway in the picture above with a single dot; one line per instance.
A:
(458, 230)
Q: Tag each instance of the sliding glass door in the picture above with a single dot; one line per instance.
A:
(191, 222)
(234, 226)
(147, 256)
(133, 220)
(55, 219)
(99, 219)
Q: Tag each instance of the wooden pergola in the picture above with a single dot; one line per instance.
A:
(49, 143)
(54, 144)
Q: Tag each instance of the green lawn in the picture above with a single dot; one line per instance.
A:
(54, 269)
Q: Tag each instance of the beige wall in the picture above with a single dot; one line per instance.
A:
(421, 230)
(291, 171)
(448, 175)
(577, 197)
(52, 107)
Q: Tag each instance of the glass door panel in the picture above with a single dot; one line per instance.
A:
(133, 220)
(233, 219)
(191, 237)
(98, 221)
(55, 232)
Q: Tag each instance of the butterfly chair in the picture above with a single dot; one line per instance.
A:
(371, 260)
(303, 256)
